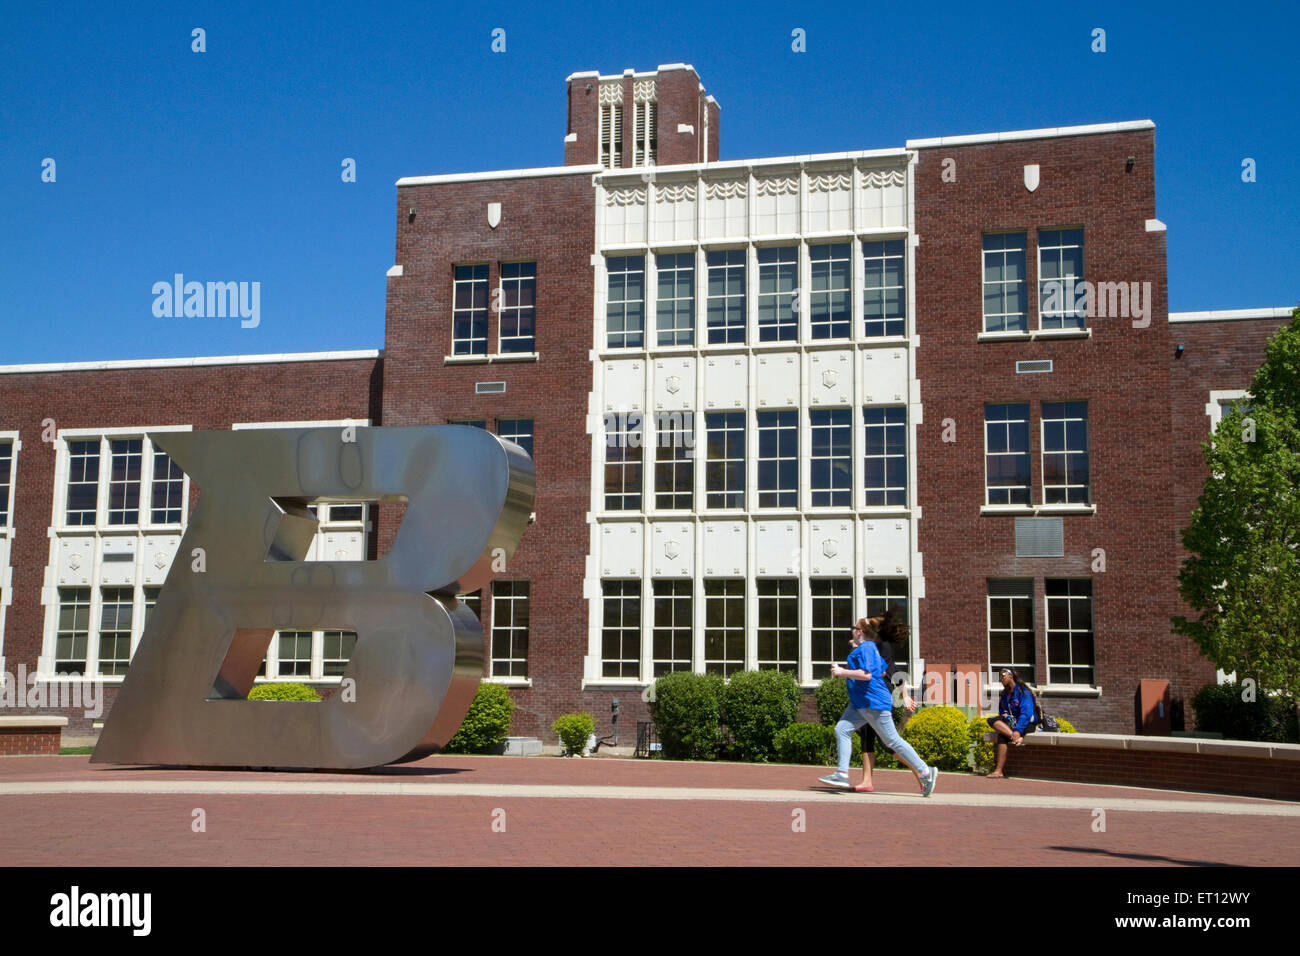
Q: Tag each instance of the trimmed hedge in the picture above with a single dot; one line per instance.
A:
(283, 691)
(486, 725)
(574, 731)
(687, 712)
(832, 699)
(1219, 708)
(940, 736)
(756, 706)
(811, 744)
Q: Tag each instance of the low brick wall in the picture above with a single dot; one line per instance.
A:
(31, 736)
(1234, 767)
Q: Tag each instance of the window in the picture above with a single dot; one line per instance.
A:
(882, 594)
(828, 302)
(832, 621)
(115, 630)
(726, 299)
(778, 624)
(620, 635)
(1011, 628)
(724, 625)
(518, 307)
(350, 513)
(509, 628)
(778, 459)
(124, 480)
(1006, 454)
(474, 601)
(168, 493)
(885, 455)
(83, 482)
(6, 479)
(336, 652)
(623, 460)
(73, 631)
(778, 277)
(832, 461)
(675, 313)
(150, 600)
(470, 311)
(625, 302)
(671, 640)
(1065, 453)
(884, 301)
(1060, 266)
(611, 135)
(517, 430)
(1004, 282)
(725, 470)
(1069, 632)
(295, 653)
(674, 460)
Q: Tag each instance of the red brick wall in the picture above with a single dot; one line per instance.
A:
(680, 101)
(16, 742)
(584, 119)
(715, 132)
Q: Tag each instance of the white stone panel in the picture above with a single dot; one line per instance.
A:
(778, 380)
(894, 212)
(4, 556)
(625, 216)
(674, 383)
(777, 204)
(830, 201)
(830, 378)
(672, 549)
(726, 212)
(886, 544)
(117, 561)
(341, 546)
(830, 546)
(157, 554)
(884, 376)
(725, 381)
(624, 386)
(725, 548)
(674, 212)
(620, 549)
(777, 547)
(76, 558)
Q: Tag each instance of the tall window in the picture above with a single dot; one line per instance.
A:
(671, 644)
(885, 455)
(884, 293)
(623, 461)
(83, 481)
(832, 461)
(73, 631)
(518, 307)
(645, 128)
(778, 459)
(724, 625)
(6, 479)
(828, 301)
(1011, 627)
(725, 471)
(1060, 266)
(620, 634)
(336, 652)
(1004, 282)
(168, 490)
(778, 277)
(675, 312)
(611, 135)
(625, 302)
(832, 622)
(470, 311)
(1065, 453)
(726, 301)
(509, 628)
(115, 630)
(882, 594)
(1006, 454)
(517, 430)
(1069, 631)
(295, 653)
(674, 460)
(124, 481)
(778, 624)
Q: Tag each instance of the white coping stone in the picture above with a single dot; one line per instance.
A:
(1155, 225)
(32, 720)
(187, 362)
(1015, 135)
(1231, 315)
(501, 174)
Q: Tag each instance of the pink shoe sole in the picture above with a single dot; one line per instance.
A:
(865, 789)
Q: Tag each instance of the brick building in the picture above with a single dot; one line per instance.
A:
(764, 397)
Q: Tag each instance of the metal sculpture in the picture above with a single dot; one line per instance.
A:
(239, 575)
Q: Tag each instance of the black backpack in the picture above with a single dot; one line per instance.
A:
(1045, 722)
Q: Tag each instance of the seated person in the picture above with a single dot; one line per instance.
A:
(1015, 716)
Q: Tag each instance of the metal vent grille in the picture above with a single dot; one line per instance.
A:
(1036, 365)
(489, 388)
(1040, 538)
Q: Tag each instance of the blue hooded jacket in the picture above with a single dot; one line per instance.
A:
(1016, 707)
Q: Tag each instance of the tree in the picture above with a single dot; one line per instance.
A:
(1243, 570)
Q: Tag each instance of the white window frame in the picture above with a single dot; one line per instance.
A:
(1046, 678)
(456, 283)
(846, 455)
(505, 632)
(1043, 453)
(502, 279)
(1028, 454)
(1003, 283)
(1067, 283)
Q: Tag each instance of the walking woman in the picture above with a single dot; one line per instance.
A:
(889, 633)
(1015, 716)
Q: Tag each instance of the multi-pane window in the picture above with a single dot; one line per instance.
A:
(518, 307)
(509, 628)
(339, 512)
(73, 631)
(675, 311)
(832, 621)
(611, 135)
(124, 480)
(882, 594)
(517, 430)
(150, 601)
(778, 277)
(885, 455)
(1065, 453)
(469, 325)
(115, 630)
(620, 634)
(671, 638)
(724, 625)
(1006, 454)
(778, 624)
(6, 478)
(1004, 282)
(674, 459)
(884, 291)
(336, 652)
(1011, 627)
(778, 459)
(726, 299)
(832, 457)
(828, 300)
(83, 481)
(725, 470)
(623, 462)
(1069, 631)
(625, 302)
(1060, 267)
(295, 653)
(168, 490)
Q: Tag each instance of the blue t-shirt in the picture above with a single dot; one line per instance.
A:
(874, 694)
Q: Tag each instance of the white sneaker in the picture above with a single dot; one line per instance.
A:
(836, 779)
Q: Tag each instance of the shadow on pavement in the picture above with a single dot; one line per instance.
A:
(1136, 856)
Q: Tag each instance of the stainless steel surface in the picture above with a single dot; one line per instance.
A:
(419, 652)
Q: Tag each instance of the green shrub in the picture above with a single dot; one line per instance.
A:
(283, 691)
(1219, 708)
(984, 755)
(487, 723)
(687, 712)
(756, 705)
(832, 698)
(574, 731)
(1066, 726)
(812, 744)
(940, 736)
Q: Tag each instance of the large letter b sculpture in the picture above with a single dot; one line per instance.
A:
(239, 575)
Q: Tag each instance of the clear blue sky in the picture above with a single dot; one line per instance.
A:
(225, 165)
